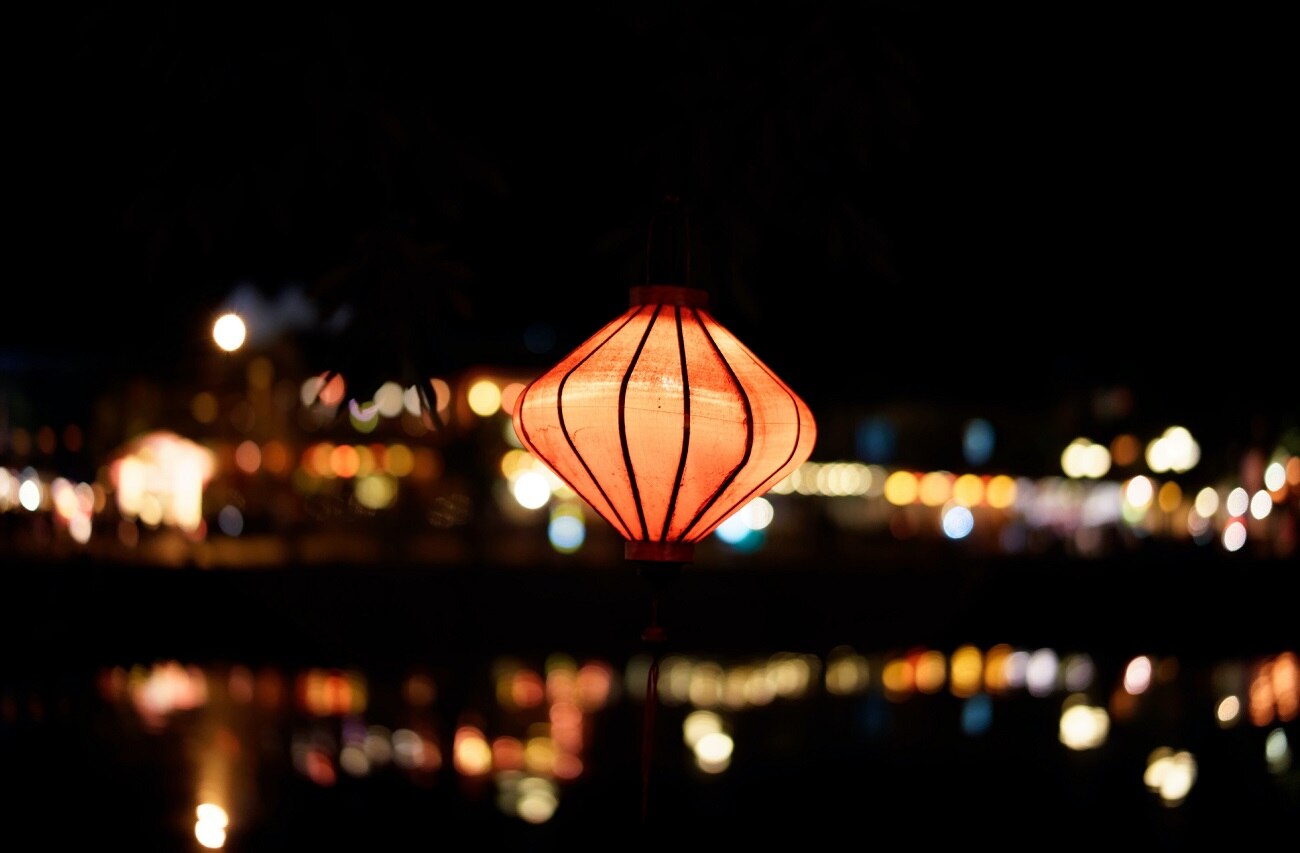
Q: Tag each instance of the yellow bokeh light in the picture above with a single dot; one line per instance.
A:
(1124, 450)
(471, 754)
(846, 674)
(898, 678)
(1083, 727)
(936, 488)
(930, 670)
(375, 491)
(345, 461)
(901, 488)
(995, 669)
(204, 407)
(967, 668)
(1169, 496)
(1138, 492)
(398, 460)
(1228, 711)
(539, 755)
(968, 490)
(698, 724)
(484, 398)
(229, 332)
(1000, 492)
(1207, 502)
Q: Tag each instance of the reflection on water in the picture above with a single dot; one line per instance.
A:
(232, 751)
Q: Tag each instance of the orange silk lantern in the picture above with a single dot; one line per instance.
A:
(665, 423)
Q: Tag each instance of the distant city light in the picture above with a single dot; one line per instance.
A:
(1175, 450)
(958, 522)
(1207, 502)
(1228, 711)
(1082, 458)
(29, 495)
(977, 440)
(229, 332)
(1137, 675)
(1138, 492)
(1238, 502)
(484, 398)
(1040, 673)
(388, 399)
(531, 489)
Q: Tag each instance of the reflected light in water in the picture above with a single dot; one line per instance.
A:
(1234, 535)
(1277, 751)
(1083, 726)
(698, 724)
(210, 827)
(713, 752)
(537, 799)
(1170, 774)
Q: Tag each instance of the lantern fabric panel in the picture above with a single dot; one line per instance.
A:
(664, 422)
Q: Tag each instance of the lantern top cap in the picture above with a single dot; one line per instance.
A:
(668, 294)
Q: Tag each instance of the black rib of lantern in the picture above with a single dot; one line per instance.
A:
(559, 407)
(749, 431)
(686, 425)
(798, 431)
(622, 422)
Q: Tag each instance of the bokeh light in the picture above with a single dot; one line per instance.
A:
(484, 398)
(229, 332)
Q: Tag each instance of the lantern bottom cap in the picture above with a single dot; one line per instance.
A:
(665, 552)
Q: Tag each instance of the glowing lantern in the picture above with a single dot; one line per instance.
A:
(665, 423)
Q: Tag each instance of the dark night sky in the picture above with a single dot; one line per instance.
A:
(888, 201)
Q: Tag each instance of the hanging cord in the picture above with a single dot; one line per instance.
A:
(669, 261)
(659, 575)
